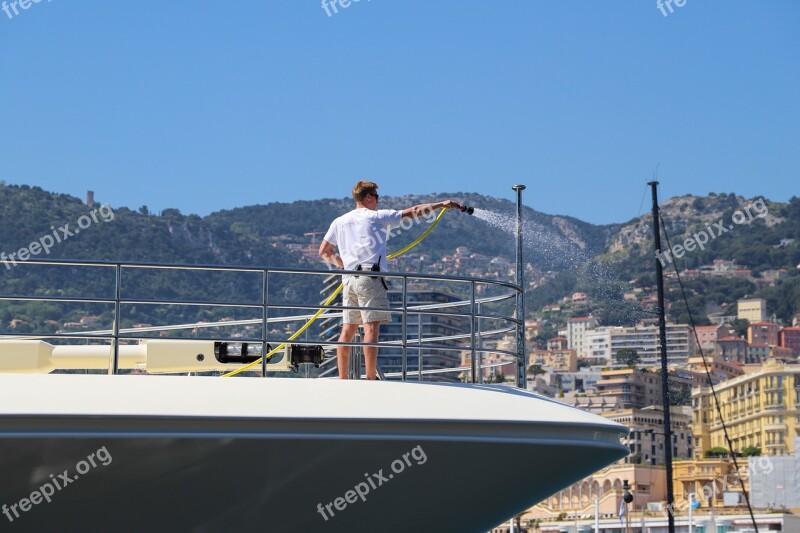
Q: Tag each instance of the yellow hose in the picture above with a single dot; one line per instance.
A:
(330, 300)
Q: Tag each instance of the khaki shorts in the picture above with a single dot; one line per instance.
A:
(365, 291)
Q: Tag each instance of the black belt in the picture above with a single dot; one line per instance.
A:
(375, 268)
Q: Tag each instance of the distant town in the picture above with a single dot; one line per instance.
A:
(612, 371)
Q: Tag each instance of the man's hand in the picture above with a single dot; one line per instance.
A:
(451, 204)
(327, 252)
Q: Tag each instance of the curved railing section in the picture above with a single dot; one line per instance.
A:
(98, 316)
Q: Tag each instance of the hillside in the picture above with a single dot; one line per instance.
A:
(565, 255)
(755, 256)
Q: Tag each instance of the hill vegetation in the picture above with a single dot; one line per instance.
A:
(566, 256)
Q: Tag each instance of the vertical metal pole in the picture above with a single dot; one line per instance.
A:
(473, 362)
(522, 363)
(627, 518)
(264, 314)
(419, 350)
(691, 501)
(306, 337)
(597, 514)
(662, 334)
(354, 364)
(480, 346)
(405, 329)
(113, 367)
(642, 516)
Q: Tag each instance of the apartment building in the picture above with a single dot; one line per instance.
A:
(720, 370)
(557, 360)
(576, 330)
(763, 333)
(557, 343)
(761, 408)
(646, 439)
(709, 335)
(606, 343)
(637, 389)
(425, 326)
(790, 338)
(733, 349)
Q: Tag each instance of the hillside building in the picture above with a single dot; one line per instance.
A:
(763, 333)
(557, 343)
(557, 360)
(646, 439)
(720, 370)
(606, 342)
(733, 349)
(709, 335)
(636, 389)
(790, 338)
(752, 310)
(576, 330)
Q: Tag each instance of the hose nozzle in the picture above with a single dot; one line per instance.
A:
(467, 210)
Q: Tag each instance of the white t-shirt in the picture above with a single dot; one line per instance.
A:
(361, 236)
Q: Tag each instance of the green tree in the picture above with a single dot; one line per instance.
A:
(534, 370)
(751, 451)
(628, 357)
(740, 326)
(717, 451)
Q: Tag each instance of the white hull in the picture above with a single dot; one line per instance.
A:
(210, 454)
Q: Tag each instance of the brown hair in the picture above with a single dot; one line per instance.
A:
(363, 188)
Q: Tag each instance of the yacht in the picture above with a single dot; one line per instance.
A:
(210, 454)
(141, 449)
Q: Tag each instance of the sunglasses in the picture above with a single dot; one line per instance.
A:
(376, 195)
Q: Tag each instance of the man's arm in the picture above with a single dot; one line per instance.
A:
(425, 209)
(327, 252)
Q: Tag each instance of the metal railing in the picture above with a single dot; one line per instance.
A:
(477, 295)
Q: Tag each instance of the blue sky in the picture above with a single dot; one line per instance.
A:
(208, 105)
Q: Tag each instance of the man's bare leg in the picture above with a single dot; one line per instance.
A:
(343, 352)
(371, 330)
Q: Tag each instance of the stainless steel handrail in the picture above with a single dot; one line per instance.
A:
(472, 307)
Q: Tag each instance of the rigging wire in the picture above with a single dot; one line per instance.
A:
(644, 195)
(710, 380)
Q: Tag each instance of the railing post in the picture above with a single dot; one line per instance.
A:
(354, 362)
(405, 328)
(473, 362)
(113, 366)
(480, 346)
(419, 350)
(265, 315)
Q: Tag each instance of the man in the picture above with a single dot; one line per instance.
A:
(359, 235)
